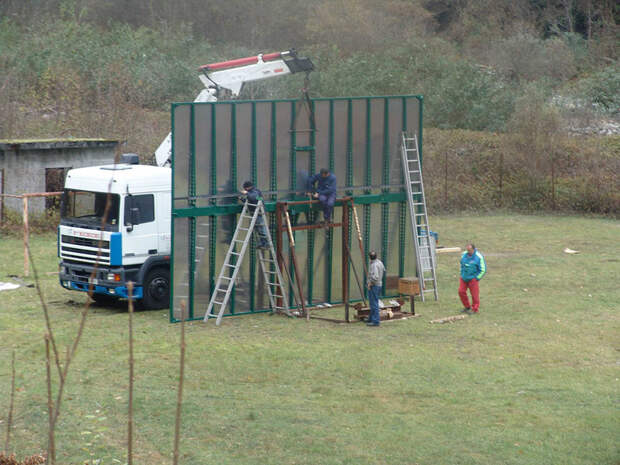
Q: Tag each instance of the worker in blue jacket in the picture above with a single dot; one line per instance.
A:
(325, 191)
(253, 195)
(473, 268)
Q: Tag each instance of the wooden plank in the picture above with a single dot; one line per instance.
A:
(448, 249)
(449, 319)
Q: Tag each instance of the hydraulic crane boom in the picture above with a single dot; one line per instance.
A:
(231, 75)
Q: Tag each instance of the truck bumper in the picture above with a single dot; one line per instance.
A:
(77, 277)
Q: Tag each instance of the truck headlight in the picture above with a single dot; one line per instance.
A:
(114, 277)
(62, 269)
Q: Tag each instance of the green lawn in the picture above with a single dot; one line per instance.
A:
(534, 379)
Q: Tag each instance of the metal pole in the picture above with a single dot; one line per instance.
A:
(290, 280)
(291, 241)
(359, 238)
(345, 260)
(279, 239)
(357, 278)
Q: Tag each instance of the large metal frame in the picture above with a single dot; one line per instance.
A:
(282, 209)
(217, 145)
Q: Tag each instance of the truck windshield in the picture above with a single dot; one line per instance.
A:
(86, 209)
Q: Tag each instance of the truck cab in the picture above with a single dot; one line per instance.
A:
(133, 244)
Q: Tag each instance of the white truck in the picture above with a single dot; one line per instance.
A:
(135, 243)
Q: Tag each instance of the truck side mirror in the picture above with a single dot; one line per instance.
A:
(130, 213)
(135, 215)
(134, 218)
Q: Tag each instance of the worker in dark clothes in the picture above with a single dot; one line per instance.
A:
(253, 195)
(325, 191)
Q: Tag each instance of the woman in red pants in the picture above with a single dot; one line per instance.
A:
(473, 268)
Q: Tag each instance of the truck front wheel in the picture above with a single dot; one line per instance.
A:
(156, 289)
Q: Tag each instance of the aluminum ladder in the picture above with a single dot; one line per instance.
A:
(232, 264)
(425, 260)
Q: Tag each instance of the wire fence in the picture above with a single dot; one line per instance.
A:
(484, 173)
(25, 218)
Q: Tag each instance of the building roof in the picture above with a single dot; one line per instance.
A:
(55, 144)
(120, 178)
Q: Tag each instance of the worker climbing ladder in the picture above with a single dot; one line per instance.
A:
(425, 261)
(234, 258)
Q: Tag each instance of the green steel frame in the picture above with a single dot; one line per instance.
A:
(368, 196)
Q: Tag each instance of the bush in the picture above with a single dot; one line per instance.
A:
(601, 90)
(457, 93)
(526, 57)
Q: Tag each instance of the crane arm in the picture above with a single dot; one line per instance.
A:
(232, 74)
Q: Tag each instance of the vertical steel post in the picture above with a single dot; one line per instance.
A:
(233, 181)
(345, 259)
(213, 218)
(402, 210)
(311, 215)
(330, 232)
(279, 238)
(385, 207)
(349, 170)
(253, 177)
(292, 151)
(192, 203)
(273, 182)
(420, 126)
(172, 220)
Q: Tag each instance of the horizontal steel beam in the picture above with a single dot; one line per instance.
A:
(222, 210)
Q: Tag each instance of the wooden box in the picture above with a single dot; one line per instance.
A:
(391, 281)
(408, 286)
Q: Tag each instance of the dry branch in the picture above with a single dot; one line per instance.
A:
(130, 413)
(46, 312)
(50, 404)
(177, 425)
(9, 423)
(62, 373)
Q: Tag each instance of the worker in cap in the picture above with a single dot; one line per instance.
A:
(325, 191)
(252, 195)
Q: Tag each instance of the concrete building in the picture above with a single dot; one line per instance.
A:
(28, 166)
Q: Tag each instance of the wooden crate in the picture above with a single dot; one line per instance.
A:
(409, 286)
(391, 281)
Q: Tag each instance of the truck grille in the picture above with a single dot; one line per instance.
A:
(85, 250)
(84, 241)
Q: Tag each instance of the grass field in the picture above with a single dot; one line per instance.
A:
(533, 379)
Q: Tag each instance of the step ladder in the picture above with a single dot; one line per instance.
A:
(232, 264)
(425, 260)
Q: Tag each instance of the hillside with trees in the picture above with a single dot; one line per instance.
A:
(540, 69)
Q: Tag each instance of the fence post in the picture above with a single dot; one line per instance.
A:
(445, 182)
(553, 205)
(501, 179)
(26, 234)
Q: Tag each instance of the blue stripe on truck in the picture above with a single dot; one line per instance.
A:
(116, 249)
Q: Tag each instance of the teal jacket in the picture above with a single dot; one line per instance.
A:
(472, 266)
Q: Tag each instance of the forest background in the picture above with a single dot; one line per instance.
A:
(522, 97)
